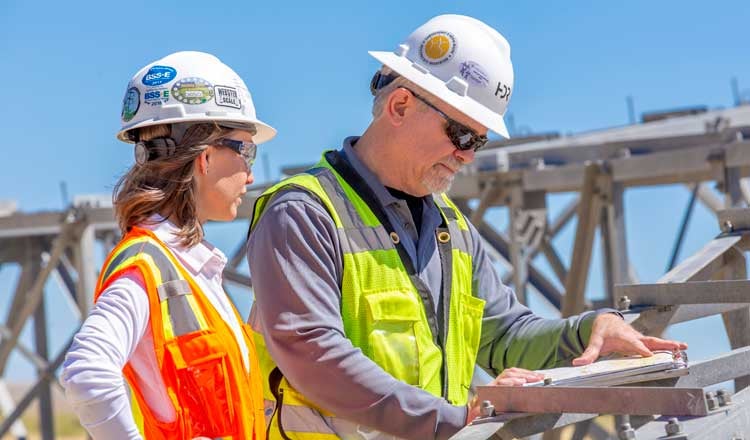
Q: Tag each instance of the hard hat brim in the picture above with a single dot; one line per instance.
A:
(264, 132)
(436, 87)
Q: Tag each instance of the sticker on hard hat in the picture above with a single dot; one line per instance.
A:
(502, 91)
(473, 72)
(227, 97)
(193, 91)
(130, 104)
(158, 75)
(156, 96)
(438, 47)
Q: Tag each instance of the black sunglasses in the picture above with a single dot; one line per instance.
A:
(247, 150)
(462, 137)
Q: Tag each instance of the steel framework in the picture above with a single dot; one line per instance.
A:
(695, 150)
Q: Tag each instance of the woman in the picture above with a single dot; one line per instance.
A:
(161, 318)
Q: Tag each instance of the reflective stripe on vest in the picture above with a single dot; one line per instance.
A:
(201, 364)
(383, 308)
(175, 297)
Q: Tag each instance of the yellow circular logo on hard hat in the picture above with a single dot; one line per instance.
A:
(438, 47)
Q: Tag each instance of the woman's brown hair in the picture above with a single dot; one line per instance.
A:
(164, 183)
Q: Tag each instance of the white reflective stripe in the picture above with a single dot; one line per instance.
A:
(173, 288)
(364, 239)
(347, 430)
(295, 418)
(346, 211)
(182, 316)
(460, 238)
(303, 419)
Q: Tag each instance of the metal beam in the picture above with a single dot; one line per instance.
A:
(683, 228)
(33, 296)
(654, 320)
(43, 379)
(701, 265)
(83, 250)
(233, 276)
(545, 244)
(554, 260)
(499, 242)
(489, 196)
(745, 188)
(718, 369)
(680, 164)
(602, 400)
(734, 219)
(614, 239)
(24, 282)
(659, 136)
(589, 210)
(29, 354)
(46, 416)
(737, 322)
(17, 429)
(709, 198)
(696, 292)
(727, 422)
(529, 425)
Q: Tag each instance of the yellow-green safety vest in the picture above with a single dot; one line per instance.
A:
(386, 311)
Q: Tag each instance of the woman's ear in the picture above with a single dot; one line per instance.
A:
(202, 161)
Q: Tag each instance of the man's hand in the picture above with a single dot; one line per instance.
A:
(509, 377)
(611, 334)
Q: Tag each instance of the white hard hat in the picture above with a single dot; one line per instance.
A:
(461, 61)
(189, 87)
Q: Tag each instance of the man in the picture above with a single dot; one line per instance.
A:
(373, 293)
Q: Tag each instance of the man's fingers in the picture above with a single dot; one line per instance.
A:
(640, 348)
(516, 376)
(654, 343)
(591, 352)
(586, 358)
(520, 372)
(511, 381)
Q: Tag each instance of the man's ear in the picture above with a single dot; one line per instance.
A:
(398, 105)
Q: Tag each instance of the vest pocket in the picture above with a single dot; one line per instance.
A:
(392, 338)
(204, 384)
(472, 311)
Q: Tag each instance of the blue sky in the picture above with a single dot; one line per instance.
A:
(65, 66)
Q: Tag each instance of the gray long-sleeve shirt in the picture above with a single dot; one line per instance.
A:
(296, 265)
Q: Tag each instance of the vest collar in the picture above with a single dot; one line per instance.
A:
(202, 257)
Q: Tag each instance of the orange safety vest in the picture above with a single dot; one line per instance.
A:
(199, 360)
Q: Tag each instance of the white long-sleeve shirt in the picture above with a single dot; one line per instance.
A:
(117, 331)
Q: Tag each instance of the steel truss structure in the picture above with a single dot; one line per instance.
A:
(62, 245)
(694, 150)
(600, 166)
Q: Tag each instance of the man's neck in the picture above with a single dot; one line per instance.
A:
(374, 151)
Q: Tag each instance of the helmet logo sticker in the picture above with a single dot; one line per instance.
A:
(438, 47)
(227, 97)
(158, 75)
(502, 91)
(130, 104)
(473, 72)
(156, 96)
(192, 90)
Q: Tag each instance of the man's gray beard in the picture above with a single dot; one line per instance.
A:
(439, 179)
